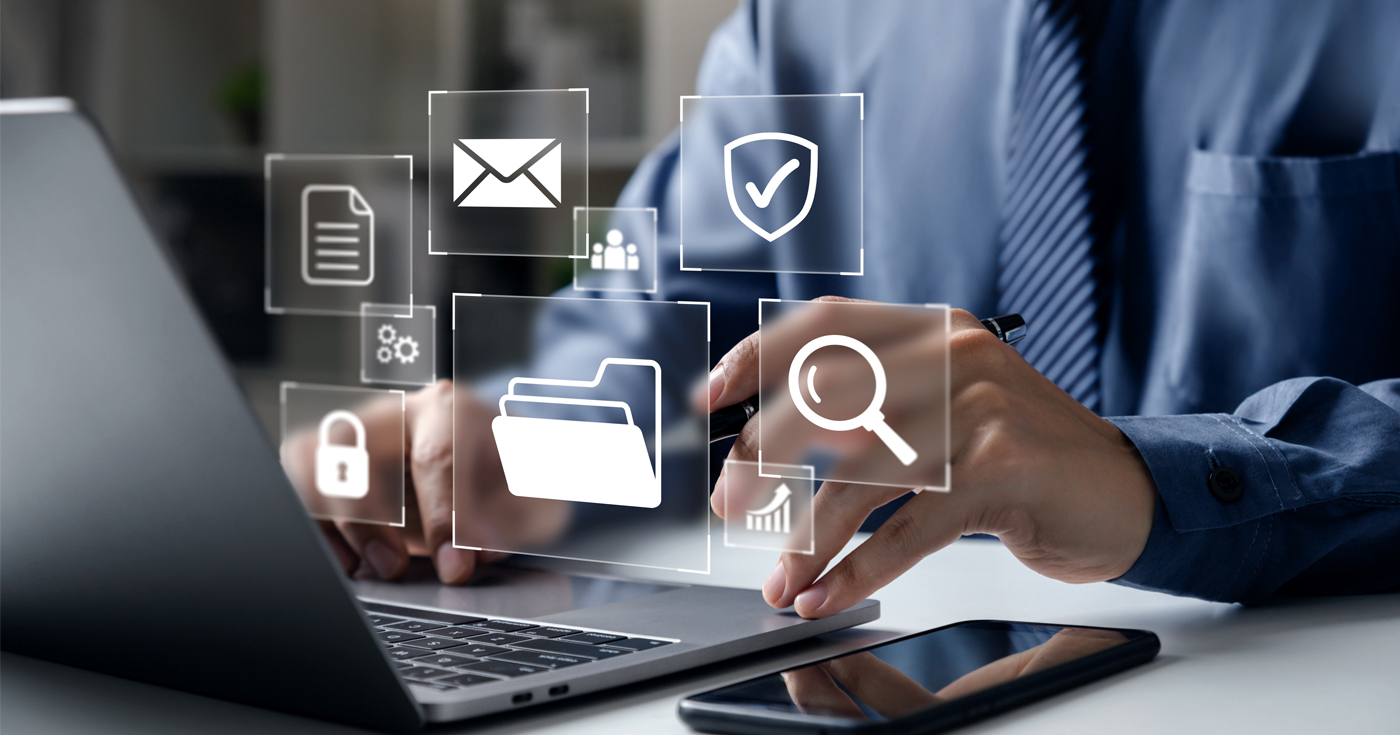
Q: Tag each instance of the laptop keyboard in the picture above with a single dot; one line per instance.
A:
(444, 651)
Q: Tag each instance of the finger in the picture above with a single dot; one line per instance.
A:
(925, 524)
(380, 548)
(735, 489)
(883, 687)
(740, 489)
(735, 376)
(349, 561)
(812, 690)
(429, 417)
(719, 497)
(785, 435)
(298, 454)
(912, 362)
(839, 509)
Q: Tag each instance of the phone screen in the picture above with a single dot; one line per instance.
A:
(895, 680)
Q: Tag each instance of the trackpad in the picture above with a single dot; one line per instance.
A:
(507, 592)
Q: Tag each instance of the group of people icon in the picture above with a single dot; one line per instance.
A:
(615, 257)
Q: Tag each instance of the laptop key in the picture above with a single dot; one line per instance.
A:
(466, 680)
(562, 647)
(414, 626)
(396, 636)
(433, 644)
(610, 652)
(413, 612)
(460, 632)
(423, 673)
(594, 638)
(503, 626)
(503, 668)
(436, 686)
(639, 644)
(445, 659)
(400, 653)
(500, 639)
(540, 658)
(479, 649)
(376, 619)
(553, 632)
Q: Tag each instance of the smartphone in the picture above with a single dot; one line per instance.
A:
(926, 682)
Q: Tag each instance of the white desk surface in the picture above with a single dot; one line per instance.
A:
(1310, 666)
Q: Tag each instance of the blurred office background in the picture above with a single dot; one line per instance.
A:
(191, 96)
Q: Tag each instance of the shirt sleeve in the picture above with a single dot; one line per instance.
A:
(1295, 493)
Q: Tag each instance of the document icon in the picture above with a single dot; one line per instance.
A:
(337, 236)
(580, 461)
(507, 172)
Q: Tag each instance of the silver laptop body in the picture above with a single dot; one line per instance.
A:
(148, 530)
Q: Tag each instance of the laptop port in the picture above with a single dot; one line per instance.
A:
(559, 691)
(521, 698)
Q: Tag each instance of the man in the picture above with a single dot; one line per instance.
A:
(1194, 204)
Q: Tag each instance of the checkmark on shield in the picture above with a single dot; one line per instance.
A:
(764, 197)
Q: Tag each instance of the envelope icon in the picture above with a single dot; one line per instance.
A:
(580, 461)
(507, 172)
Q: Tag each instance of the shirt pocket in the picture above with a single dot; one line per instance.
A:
(1285, 267)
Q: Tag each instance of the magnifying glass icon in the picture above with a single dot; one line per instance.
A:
(871, 419)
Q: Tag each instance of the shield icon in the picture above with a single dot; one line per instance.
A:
(763, 198)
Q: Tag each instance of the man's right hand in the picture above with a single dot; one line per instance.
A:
(1064, 489)
(489, 516)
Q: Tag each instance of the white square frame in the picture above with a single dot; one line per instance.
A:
(947, 392)
(389, 313)
(811, 483)
(268, 160)
(588, 144)
(709, 538)
(681, 178)
(288, 385)
(655, 248)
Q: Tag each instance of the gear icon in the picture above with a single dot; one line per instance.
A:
(406, 349)
(384, 354)
(386, 334)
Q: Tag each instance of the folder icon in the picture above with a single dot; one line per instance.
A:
(337, 236)
(507, 172)
(580, 461)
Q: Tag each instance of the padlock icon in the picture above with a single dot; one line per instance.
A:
(342, 471)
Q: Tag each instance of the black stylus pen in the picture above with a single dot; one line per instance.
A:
(728, 421)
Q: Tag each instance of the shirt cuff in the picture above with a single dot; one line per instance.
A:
(1209, 536)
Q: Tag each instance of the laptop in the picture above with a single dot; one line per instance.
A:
(147, 529)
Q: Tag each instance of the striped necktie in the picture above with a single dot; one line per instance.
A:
(1047, 258)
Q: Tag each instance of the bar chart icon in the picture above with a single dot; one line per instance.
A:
(768, 512)
(776, 517)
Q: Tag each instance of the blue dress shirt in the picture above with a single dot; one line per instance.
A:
(1245, 174)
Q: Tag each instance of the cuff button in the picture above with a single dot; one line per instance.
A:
(1225, 484)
